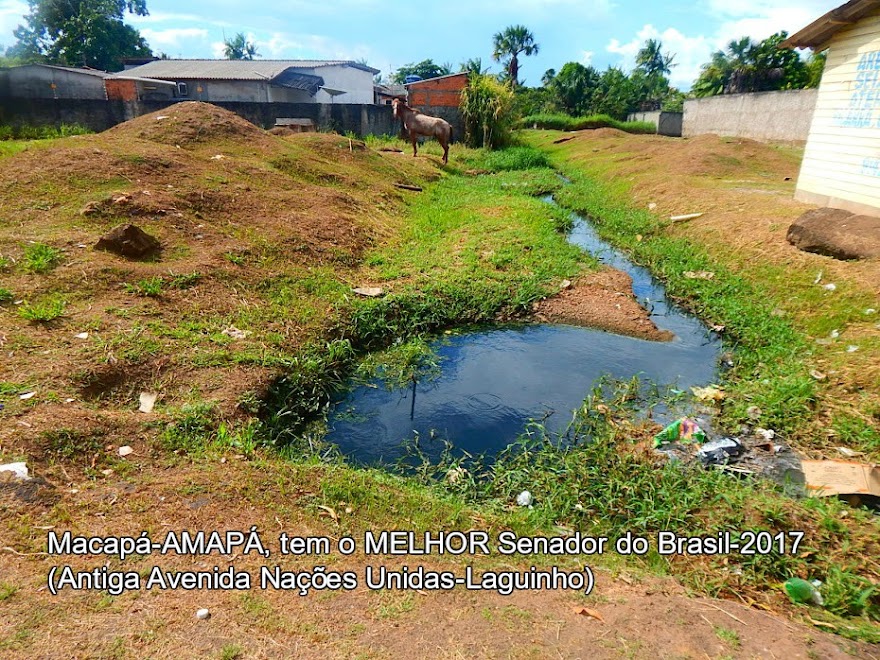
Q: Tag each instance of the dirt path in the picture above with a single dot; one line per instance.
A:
(627, 616)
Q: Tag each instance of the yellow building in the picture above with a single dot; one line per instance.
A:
(841, 166)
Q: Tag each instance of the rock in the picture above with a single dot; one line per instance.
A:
(525, 498)
(124, 451)
(203, 613)
(128, 241)
(836, 233)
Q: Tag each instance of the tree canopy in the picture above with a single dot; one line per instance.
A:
(507, 46)
(239, 48)
(424, 69)
(80, 33)
(750, 66)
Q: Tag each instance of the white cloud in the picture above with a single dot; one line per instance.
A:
(587, 57)
(690, 52)
(173, 37)
(757, 19)
(11, 16)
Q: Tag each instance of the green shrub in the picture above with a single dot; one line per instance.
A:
(515, 158)
(561, 122)
(150, 287)
(5, 295)
(486, 107)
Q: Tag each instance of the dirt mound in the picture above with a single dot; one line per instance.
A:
(836, 233)
(188, 123)
(602, 300)
(608, 132)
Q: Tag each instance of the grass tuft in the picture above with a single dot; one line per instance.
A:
(45, 311)
(40, 258)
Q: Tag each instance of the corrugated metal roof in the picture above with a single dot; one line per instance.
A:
(819, 32)
(231, 69)
(427, 80)
(72, 69)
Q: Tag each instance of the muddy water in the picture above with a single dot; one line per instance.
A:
(494, 382)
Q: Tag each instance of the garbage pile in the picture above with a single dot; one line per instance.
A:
(757, 452)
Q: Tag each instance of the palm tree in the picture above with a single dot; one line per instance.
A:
(508, 45)
(239, 48)
(652, 61)
(474, 67)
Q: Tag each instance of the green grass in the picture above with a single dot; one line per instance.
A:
(24, 132)
(6, 295)
(40, 258)
(47, 310)
(150, 287)
(563, 122)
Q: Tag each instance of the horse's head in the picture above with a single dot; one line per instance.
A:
(395, 106)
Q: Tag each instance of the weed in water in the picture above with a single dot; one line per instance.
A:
(47, 310)
(40, 258)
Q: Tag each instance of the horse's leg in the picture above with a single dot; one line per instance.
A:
(444, 142)
(414, 138)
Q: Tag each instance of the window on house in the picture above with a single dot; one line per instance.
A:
(182, 90)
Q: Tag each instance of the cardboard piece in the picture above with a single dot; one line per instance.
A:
(825, 478)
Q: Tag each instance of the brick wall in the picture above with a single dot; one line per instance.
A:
(437, 92)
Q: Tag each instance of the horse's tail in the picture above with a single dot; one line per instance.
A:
(450, 133)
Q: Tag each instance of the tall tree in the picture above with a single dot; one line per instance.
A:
(424, 69)
(572, 88)
(80, 33)
(239, 48)
(507, 46)
(749, 66)
(652, 61)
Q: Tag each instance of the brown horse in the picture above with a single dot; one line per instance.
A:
(417, 124)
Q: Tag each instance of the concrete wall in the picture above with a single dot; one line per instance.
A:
(45, 82)
(765, 116)
(841, 166)
(100, 115)
(666, 123)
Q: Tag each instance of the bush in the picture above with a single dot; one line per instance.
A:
(486, 105)
(40, 258)
(41, 132)
(561, 122)
(515, 158)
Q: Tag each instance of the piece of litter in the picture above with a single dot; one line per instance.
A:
(687, 216)
(588, 612)
(203, 613)
(849, 453)
(147, 401)
(235, 333)
(818, 278)
(831, 286)
(124, 451)
(19, 470)
(818, 375)
(82, 335)
(26, 396)
(565, 284)
(708, 393)
(834, 334)
(69, 400)
(107, 472)
(652, 206)
(161, 117)
(369, 291)
(525, 498)
(699, 274)
(218, 157)
(852, 349)
(766, 434)
(870, 310)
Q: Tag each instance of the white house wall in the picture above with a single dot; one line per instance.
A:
(841, 166)
(357, 84)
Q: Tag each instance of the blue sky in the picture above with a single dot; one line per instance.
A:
(389, 34)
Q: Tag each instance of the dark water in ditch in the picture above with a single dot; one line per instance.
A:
(494, 382)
